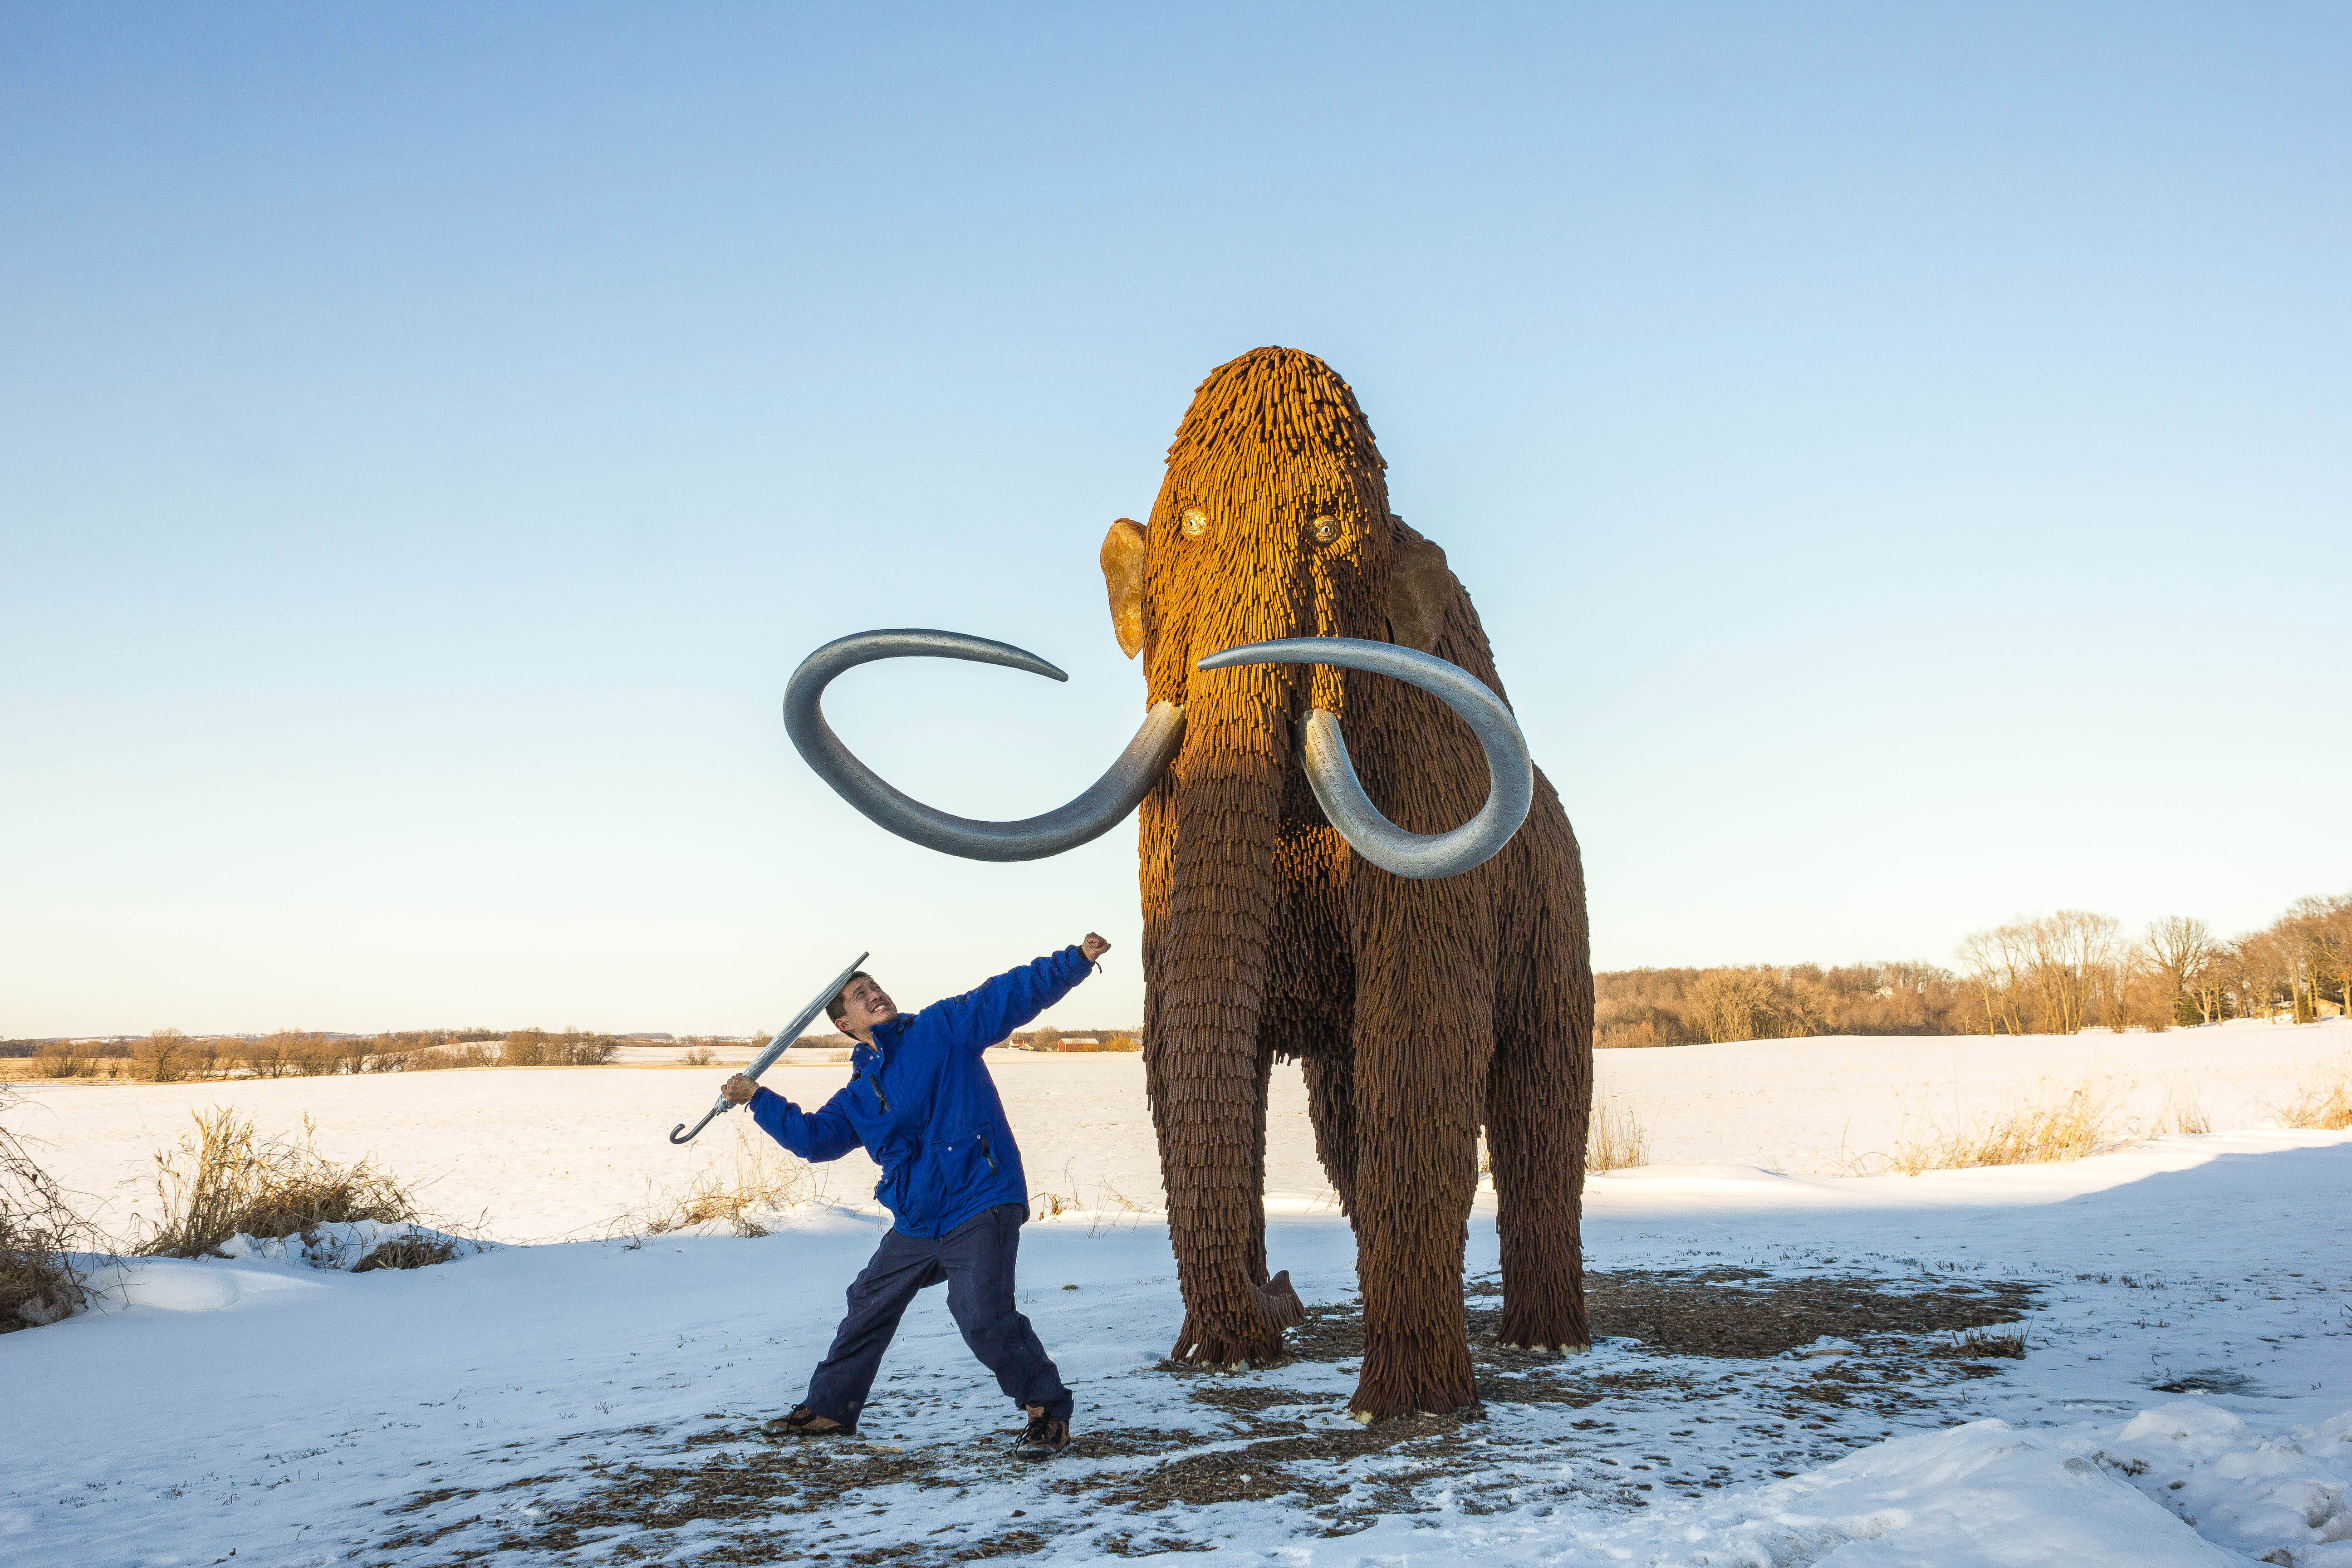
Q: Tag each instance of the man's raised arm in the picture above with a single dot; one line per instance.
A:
(814, 1135)
(991, 1011)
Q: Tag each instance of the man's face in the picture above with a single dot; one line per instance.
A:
(864, 1005)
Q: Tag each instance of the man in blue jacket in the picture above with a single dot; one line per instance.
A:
(921, 1103)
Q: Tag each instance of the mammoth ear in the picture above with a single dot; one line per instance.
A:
(1122, 570)
(1417, 584)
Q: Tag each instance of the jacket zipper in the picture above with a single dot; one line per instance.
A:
(988, 1154)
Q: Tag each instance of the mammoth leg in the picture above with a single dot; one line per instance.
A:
(1331, 1106)
(1539, 1090)
(1425, 1005)
(1311, 1015)
(1209, 890)
(1211, 1118)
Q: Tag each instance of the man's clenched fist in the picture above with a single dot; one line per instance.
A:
(739, 1090)
(1094, 947)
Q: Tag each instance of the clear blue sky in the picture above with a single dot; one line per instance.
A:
(1902, 456)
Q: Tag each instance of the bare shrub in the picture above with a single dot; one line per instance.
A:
(2084, 1121)
(224, 1180)
(2324, 1103)
(570, 1048)
(63, 1059)
(294, 1053)
(163, 1056)
(1728, 1004)
(1634, 1025)
(40, 1232)
(699, 1057)
(1046, 1040)
(1615, 1140)
(438, 1058)
(269, 1057)
(732, 1188)
(1115, 1040)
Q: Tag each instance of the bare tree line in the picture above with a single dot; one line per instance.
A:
(2056, 973)
(169, 1056)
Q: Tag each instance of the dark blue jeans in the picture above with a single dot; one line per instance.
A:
(976, 1260)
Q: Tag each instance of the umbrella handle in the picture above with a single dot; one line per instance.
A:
(723, 1105)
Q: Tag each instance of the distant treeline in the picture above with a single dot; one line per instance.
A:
(2057, 973)
(168, 1056)
(1053, 1039)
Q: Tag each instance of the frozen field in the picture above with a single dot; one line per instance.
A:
(547, 1154)
(1790, 1368)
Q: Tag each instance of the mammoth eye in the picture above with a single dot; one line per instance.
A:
(1196, 523)
(1327, 529)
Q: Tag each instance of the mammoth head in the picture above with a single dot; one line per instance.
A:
(1273, 520)
(1271, 543)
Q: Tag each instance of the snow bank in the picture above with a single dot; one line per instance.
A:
(251, 1269)
(1982, 1495)
(2236, 1486)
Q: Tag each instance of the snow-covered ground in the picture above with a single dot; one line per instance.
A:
(1791, 1368)
(546, 1154)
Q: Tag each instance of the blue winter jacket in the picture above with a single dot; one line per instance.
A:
(923, 1105)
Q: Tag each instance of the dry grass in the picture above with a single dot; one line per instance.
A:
(1616, 1141)
(2084, 1120)
(1108, 1207)
(2324, 1103)
(224, 1180)
(734, 1187)
(38, 1234)
(2183, 1114)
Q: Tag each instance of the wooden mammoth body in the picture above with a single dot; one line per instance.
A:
(1422, 1007)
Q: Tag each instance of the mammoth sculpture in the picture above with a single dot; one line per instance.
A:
(1347, 859)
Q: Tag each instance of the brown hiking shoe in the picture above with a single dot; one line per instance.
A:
(1045, 1437)
(806, 1423)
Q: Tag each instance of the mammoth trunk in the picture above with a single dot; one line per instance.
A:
(1210, 897)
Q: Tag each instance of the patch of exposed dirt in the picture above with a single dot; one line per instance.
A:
(1703, 1345)
(1741, 1312)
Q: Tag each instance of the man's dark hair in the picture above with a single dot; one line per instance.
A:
(837, 1009)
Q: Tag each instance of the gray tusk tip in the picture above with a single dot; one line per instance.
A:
(1323, 752)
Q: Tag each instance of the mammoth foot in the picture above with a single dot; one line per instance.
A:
(1543, 1320)
(1249, 1336)
(1406, 1380)
(1279, 1302)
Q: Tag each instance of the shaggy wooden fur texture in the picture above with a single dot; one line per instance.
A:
(1421, 1010)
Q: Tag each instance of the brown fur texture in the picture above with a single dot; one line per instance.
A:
(1421, 1010)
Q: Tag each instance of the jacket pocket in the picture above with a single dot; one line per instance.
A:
(951, 1172)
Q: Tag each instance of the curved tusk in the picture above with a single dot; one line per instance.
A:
(1324, 753)
(1095, 812)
